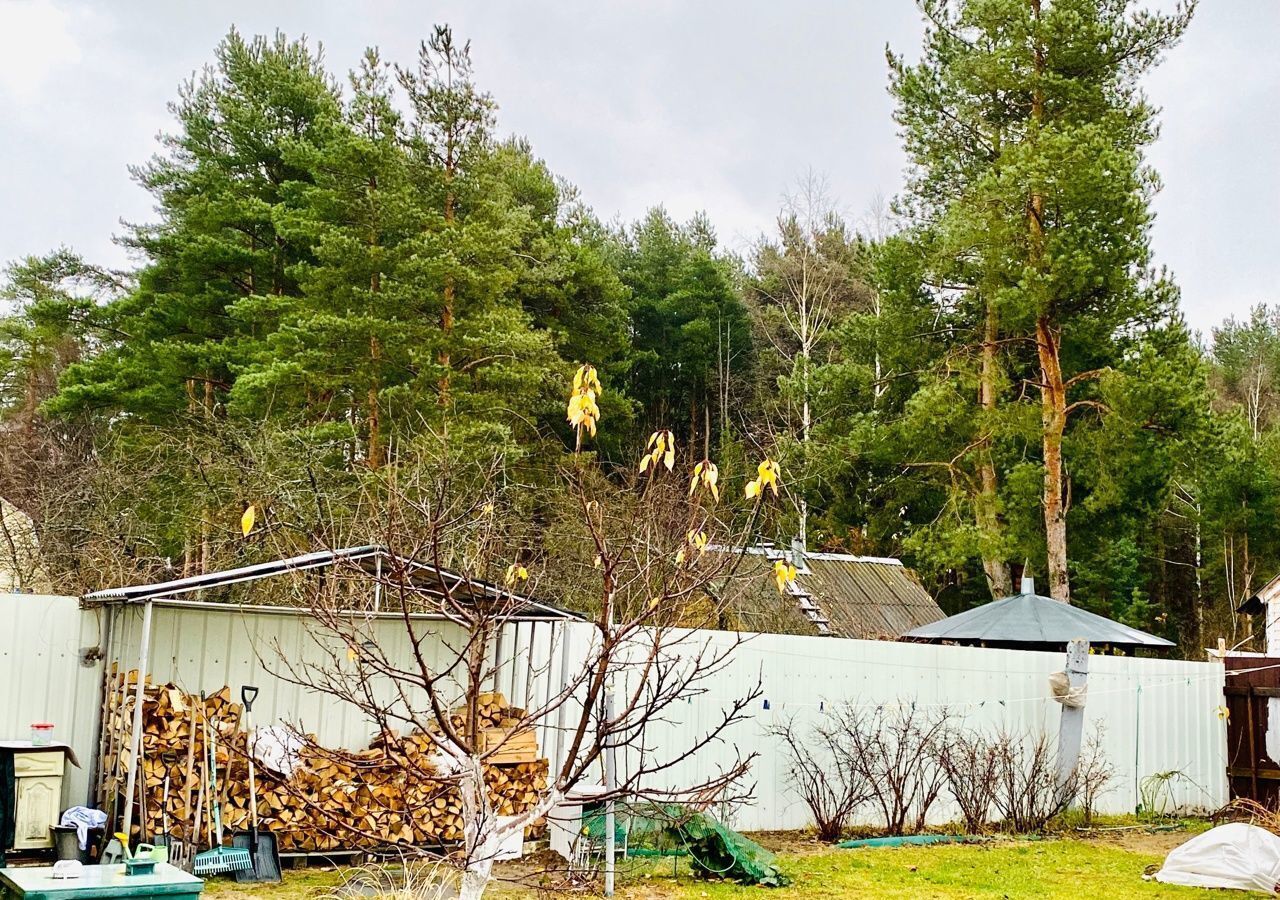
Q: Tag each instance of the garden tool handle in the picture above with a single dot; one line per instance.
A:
(248, 693)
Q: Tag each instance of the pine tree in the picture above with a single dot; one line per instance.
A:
(219, 270)
(690, 328)
(1026, 123)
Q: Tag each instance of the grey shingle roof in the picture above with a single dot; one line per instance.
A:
(1032, 619)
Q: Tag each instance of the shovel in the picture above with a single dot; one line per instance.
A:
(261, 846)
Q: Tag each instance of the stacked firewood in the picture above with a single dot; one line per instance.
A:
(335, 799)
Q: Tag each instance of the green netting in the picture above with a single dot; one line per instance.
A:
(714, 851)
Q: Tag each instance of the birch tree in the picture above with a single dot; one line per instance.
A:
(807, 280)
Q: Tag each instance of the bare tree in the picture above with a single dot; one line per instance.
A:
(629, 670)
(823, 774)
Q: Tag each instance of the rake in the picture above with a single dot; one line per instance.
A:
(218, 860)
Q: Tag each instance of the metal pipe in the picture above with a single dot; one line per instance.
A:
(96, 794)
(610, 776)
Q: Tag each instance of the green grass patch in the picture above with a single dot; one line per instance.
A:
(1044, 869)
(1047, 869)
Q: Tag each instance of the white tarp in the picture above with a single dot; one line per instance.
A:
(1236, 856)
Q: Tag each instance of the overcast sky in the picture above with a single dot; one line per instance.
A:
(698, 106)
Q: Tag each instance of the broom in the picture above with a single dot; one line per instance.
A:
(218, 859)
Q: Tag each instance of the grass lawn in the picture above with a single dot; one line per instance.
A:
(1075, 869)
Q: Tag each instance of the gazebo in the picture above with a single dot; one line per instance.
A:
(1029, 621)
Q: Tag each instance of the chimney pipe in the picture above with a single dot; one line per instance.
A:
(797, 552)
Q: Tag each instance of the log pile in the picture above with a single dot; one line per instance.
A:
(336, 799)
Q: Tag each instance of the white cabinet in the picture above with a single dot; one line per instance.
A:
(38, 798)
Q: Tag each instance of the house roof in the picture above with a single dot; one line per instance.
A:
(1256, 604)
(21, 563)
(1031, 619)
(843, 595)
(427, 580)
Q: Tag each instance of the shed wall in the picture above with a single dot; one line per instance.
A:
(42, 678)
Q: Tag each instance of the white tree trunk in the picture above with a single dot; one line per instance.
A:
(480, 831)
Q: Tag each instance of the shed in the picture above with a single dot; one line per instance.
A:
(843, 595)
(1029, 621)
(215, 618)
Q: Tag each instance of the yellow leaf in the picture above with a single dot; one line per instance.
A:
(783, 574)
(705, 474)
(583, 411)
(753, 488)
(514, 572)
(653, 604)
(247, 520)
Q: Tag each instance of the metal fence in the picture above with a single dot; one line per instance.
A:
(1157, 716)
(44, 677)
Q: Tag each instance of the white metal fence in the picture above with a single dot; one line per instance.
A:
(1159, 716)
(43, 640)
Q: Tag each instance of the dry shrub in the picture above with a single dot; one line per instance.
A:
(896, 750)
(970, 761)
(1094, 774)
(1027, 794)
(822, 772)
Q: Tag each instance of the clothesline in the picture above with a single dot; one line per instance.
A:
(1175, 680)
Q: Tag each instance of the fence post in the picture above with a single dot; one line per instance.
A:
(1071, 731)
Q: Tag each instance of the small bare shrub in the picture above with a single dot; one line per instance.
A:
(1094, 774)
(822, 773)
(1026, 793)
(896, 750)
(970, 761)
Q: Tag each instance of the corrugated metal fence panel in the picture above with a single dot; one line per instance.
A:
(203, 650)
(43, 680)
(1158, 716)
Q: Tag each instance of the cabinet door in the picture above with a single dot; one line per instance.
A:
(37, 802)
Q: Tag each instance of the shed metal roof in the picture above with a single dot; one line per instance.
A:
(427, 579)
(1030, 618)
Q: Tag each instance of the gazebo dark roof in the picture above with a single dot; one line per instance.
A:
(1034, 622)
